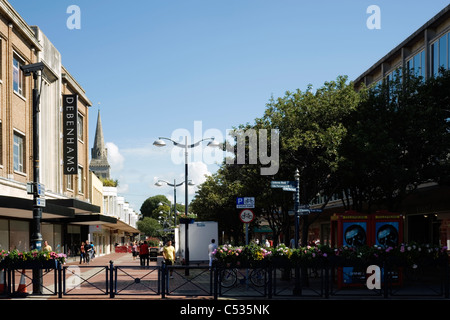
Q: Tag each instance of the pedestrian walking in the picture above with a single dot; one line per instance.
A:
(92, 252)
(211, 248)
(144, 254)
(134, 250)
(169, 256)
(82, 253)
(87, 250)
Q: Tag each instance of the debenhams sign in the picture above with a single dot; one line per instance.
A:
(70, 117)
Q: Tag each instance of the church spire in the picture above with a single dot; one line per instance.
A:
(99, 153)
(99, 142)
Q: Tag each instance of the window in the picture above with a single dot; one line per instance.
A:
(80, 180)
(18, 77)
(443, 52)
(80, 127)
(439, 54)
(4, 234)
(18, 156)
(19, 235)
(69, 182)
(416, 64)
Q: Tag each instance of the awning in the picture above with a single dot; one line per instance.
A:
(23, 208)
(100, 219)
(78, 206)
(120, 225)
(72, 211)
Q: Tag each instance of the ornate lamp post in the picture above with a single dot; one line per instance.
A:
(160, 143)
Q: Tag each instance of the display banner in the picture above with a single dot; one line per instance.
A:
(70, 130)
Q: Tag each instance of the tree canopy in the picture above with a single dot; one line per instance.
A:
(372, 147)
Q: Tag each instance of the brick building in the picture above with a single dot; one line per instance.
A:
(73, 202)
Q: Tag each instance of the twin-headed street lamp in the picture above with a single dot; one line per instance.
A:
(161, 182)
(160, 143)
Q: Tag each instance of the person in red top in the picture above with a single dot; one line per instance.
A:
(144, 253)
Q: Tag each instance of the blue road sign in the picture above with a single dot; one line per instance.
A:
(245, 202)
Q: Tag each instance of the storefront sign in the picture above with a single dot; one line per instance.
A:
(70, 144)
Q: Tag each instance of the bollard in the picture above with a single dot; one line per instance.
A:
(327, 280)
(58, 268)
(269, 282)
(163, 279)
(216, 280)
(111, 279)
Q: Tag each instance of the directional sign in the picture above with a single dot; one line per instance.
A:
(283, 184)
(245, 202)
(292, 189)
(40, 190)
(246, 216)
(40, 202)
(303, 212)
(306, 211)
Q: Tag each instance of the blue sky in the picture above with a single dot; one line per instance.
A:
(157, 66)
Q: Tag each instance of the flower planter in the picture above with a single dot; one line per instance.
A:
(33, 264)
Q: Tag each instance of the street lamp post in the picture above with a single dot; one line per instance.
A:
(36, 69)
(297, 286)
(297, 206)
(186, 146)
(160, 182)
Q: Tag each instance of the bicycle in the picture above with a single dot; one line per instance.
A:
(229, 277)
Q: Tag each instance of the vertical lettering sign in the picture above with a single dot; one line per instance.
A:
(70, 145)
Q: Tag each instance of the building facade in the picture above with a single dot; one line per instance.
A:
(426, 212)
(73, 203)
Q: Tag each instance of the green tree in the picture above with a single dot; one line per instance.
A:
(311, 130)
(398, 139)
(150, 208)
(150, 227)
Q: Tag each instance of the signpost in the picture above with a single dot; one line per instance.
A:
(38, 190)
(299, 210)
(246, 215)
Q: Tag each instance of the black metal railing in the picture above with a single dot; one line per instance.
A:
(320, 281)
